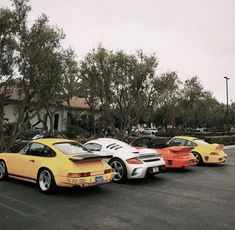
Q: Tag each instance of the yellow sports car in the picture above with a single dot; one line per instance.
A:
(55, 162)
(203, 151)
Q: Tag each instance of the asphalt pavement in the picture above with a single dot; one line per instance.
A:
(201, 197)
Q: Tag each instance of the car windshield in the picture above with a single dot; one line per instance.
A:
(71, 148)
(201, 142)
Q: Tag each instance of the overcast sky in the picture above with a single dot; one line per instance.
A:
(192, 37)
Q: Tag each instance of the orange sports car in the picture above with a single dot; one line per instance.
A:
(174, 156)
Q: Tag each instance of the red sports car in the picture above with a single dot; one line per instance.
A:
(174, 156)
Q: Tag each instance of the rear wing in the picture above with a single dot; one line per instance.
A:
(88, 157)
(180, 148)
(218, 146)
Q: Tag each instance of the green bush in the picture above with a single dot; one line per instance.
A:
(226, 140)
(74, 130)
(18, 145)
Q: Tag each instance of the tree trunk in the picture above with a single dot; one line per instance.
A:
(93, 121)
(2, 141)
(51, 123)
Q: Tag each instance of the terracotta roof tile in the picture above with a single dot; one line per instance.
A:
(76, 102)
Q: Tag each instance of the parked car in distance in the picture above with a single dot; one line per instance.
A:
(203, 151)
(174, 156)
(149, 131)
(127, 162)
(200, 130)
(56, 162)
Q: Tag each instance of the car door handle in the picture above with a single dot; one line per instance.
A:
(31, 160)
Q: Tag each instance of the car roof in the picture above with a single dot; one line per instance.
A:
(51, 141)
(112, 144)
(107, 141)
(187, 138)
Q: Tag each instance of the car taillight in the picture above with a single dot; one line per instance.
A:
(134, 161)
(86, 174)
(107, 171)
(78, 175)
(214, 153)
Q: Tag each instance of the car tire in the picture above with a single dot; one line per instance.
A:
(119, 169)
(3, 170)
(46, 181)
(198, 158)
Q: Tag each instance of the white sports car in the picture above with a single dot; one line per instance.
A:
(127, 162)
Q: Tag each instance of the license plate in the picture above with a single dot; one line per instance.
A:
(155, 169)
(99, 179)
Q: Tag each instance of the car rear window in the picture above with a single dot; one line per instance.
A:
(201, 142)
(71, 148)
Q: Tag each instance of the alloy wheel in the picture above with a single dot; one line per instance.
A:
(45, 179)
(2, 170)
(118, 170)
(198, 158)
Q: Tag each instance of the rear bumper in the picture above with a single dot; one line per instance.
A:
(180, 163)
(161, 169)
(142, 170)
(210, 159)
(83, 181)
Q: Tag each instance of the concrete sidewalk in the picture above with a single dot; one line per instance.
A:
(229, 147)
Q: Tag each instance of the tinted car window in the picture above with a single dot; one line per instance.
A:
(48, 152)
(93, 146)
(142, 142)
(190, 143)
(178, 142)
(158, 143)
(35, 149)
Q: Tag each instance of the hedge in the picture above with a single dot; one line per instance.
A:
(226, 140)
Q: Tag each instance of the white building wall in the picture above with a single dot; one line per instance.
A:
(11, 112)
(11, 115)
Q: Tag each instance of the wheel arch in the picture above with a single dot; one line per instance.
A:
(53, 184)
(126, 175)
(116, 158)
(1, 159)
(202, 158)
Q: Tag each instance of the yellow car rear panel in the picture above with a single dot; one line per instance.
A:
(206, 150)
(26, 167)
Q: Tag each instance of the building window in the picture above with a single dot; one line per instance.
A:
(56, 121)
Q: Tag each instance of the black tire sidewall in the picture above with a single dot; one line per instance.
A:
(200, 161)
(124, 177)
(52, 187)
(6, 172)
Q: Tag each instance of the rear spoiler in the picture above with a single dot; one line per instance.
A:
(218, 146)
(88, 157)
(181, 148)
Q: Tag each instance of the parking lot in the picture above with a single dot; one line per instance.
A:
(201, 197)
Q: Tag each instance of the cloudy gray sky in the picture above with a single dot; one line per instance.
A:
(192, 37)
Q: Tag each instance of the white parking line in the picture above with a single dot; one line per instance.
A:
(19, 206)
(13, 209)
